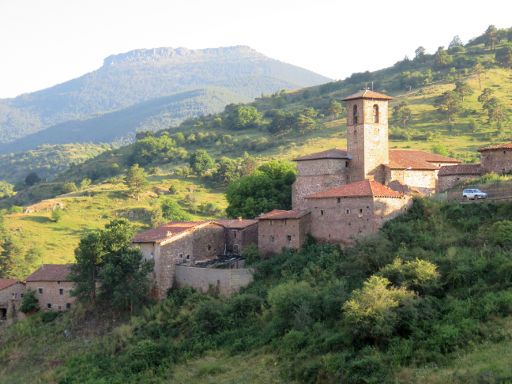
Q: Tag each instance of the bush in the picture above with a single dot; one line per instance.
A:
(29, 304)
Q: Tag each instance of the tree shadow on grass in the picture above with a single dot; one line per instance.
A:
(37, 219)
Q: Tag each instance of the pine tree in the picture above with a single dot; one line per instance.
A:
(136, 181)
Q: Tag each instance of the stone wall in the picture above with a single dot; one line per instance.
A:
(447, 182)
(55, 295)
(274, 235)
(238, 239)
(424, 181)
(223, 281)
(10, 301)
(342, 220)
(317, 175)
(202, 243)
(499, 161)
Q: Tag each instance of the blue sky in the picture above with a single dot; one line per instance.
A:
(45, 42)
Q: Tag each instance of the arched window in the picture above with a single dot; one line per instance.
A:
(375, 113)
(354, 114)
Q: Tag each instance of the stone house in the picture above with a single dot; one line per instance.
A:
(280, 229)
(52, 286)
(178, 243)
(238, 235)
(341, 214)
(11, 293)
(494, 158)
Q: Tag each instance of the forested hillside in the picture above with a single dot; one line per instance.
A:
(141, 75)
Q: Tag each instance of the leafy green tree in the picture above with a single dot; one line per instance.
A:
(152, 149)
(201, 162)
(6, 189)
(418, 275)
(84, 184)
(269, 187)
(84, 273)
(242, 117)
(419, 53)
(32, 178)
(69, 187)
(248, 165)
(57, 215)
(29, 303)
(8, 252)
(449, 104)
(504, 57)
(442, 58)
(491, 37)
(280, 121)
(106, 259)
(227, 169)
(496, 112)
(306, 119)
(124, 278)
(172, 211)
(335, 109)
(463, 89)
(136, 181)
(456, 44)
(486, 94)
(371, 312)
(402, 114)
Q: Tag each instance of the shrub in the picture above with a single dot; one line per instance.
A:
(29, 304)
(418, 275)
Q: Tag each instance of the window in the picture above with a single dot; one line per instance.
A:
(361, 210)
(321, 212)
(68, 305)
(49, 306)
(40, 290)
(289, 237)
(209, 247)
(375, 113)
(188, 257)
(61, 291)
(234, 234)
(347, 211)
(181, 255)
(272, 238)
(346, 164)
(338, 200)
(354, 114)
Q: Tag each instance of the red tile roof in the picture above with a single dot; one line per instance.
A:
(166, 231)
(51, 272)
(6, 283)
(333, 153)
(460, 169)
(279, 214)
(365, 188)
(496, 147)
(367, 94)
(236, 223)
(407, 159)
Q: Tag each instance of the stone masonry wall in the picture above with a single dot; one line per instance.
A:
(274, 235)
(57, 294)
(499, 161)
(424, 181)
(447, 182)
(238, 239)
(317, 175)
(10, 300)
(224, 281)
(340, 220)
(367, 141)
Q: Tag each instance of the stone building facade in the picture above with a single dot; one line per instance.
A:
(11, 293)
(52, 286)
(238, 235)
(342, 214)
(496, 158)
(279, 229)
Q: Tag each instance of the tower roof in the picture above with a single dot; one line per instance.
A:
(496, 147)
(367, 94)
(364, 188)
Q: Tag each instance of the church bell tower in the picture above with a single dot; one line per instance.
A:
(367, 134)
